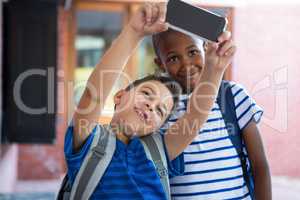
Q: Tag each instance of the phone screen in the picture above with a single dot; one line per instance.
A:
(193, 20)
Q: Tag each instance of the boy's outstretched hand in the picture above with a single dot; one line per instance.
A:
(219, 55)
(149, 19)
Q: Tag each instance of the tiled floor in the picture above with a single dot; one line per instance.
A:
(283, 189)
(28, 196)
(33, 190)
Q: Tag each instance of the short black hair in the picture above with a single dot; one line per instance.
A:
(174, 87)
(158, 37)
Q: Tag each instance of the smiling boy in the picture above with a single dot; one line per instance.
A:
(213, 167)
(140, 110)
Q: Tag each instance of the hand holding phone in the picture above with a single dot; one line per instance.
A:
(195, 21)
(219, 55)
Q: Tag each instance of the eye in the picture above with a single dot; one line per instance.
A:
(160, 112)
(146, 93)
(194, 52)
(172, 59)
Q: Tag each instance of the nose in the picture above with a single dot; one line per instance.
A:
(186, 62)
(149, 107)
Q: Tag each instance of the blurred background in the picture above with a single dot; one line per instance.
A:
(48, 49)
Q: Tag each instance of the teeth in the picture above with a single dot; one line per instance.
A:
(190, 75)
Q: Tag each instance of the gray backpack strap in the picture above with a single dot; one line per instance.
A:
(64, 190)
(154, 149)
(94, 165)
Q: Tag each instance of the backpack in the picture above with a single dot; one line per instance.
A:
(98, 158)
(225, 101)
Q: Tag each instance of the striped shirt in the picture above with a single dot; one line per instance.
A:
(130, 175)
(212, 167)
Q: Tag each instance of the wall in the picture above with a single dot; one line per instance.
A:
(8, 169)
(267, 63)
(8, 153)
(47, 161)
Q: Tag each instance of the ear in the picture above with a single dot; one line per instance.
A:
(159, 63)
(118, 96)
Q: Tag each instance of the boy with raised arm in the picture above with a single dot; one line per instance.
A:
(140, 110)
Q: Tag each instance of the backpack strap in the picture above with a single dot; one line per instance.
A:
(154, 149)
(95, 164)
(225, 101)
(64, 190)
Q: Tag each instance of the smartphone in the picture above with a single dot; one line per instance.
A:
(195, 21)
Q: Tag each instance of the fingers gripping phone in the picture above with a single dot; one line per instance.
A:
(195, 21)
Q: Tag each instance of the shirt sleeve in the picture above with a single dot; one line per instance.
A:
(75, 159)
(246, 108)
(176, 166)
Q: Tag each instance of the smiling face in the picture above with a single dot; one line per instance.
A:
(181, 56)
(144, 108)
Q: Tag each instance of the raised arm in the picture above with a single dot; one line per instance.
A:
(181, 134)
(147, 20)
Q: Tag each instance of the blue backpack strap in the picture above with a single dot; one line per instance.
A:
(225, 101)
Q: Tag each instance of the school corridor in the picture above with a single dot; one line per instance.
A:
(51, 47)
